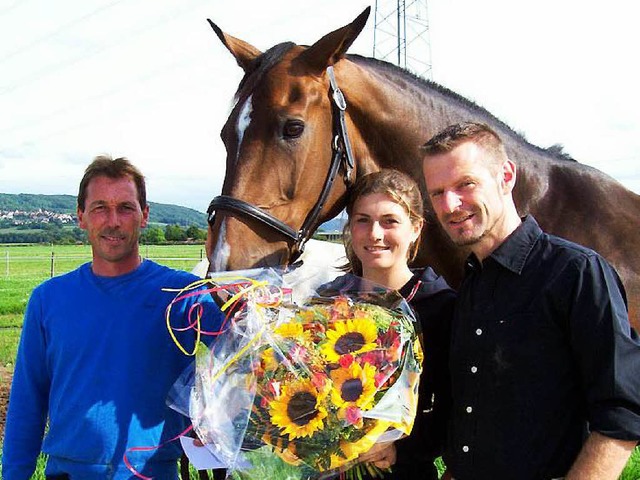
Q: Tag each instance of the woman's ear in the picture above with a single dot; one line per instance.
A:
(417, 229)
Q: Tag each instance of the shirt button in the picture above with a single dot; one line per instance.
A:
(469, 409)
(474, 369)
(465, 449)
(479, 331)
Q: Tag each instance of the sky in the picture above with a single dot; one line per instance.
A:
(149, 80)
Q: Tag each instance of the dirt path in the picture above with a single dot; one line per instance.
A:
(5, 385)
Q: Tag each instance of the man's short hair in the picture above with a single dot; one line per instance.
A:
(104, 165)
(453, 135)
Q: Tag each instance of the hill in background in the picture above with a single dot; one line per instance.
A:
(161, 213)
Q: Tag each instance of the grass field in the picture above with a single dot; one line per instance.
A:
(22, 267)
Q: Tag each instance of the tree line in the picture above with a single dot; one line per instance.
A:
(59, 234)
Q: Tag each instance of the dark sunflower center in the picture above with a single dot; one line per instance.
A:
(349, 342)
(351, 390)
(302, 408)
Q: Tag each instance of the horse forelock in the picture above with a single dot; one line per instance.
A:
(259, 67)
(254, 74)
(252, 77)
(422, 84)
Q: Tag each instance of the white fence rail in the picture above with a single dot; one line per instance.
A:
(46, 266)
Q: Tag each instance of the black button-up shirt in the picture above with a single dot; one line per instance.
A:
(542, 353)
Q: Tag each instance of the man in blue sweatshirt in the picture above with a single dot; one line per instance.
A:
(95, 358)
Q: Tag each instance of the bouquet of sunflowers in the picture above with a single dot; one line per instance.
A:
(300, 389)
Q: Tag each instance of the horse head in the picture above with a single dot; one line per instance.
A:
(286, 143)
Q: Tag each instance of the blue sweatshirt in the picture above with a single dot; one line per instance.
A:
(97, 360)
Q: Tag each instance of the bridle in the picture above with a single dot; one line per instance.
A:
(342, 157)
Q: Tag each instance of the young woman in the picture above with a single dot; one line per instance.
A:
(385, 212)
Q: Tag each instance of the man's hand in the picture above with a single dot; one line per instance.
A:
(381, 455)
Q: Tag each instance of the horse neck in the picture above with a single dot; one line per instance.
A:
(392, 113)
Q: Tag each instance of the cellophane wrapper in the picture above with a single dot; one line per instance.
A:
(298, 387)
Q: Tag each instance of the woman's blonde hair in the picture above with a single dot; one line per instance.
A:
(398, 186)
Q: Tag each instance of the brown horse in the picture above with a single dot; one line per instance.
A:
(286, 131)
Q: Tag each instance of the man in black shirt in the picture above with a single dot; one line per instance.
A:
(545, 367)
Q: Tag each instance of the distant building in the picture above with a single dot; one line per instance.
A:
(334, 236)
(20, 217)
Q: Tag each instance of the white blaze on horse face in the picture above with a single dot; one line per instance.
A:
(244, 120)
(220, 255)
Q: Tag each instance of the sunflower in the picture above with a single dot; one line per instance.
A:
(299, 410)
(354, 386)
(269, 361)
(351, 336)
(293, 330)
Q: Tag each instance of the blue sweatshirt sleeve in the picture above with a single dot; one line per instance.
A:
(29, 398)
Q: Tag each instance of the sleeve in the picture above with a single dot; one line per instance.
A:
(440, 374)
(427, 439)
(29, 398)
(607, 350)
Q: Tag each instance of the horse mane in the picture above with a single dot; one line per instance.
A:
(555, 151)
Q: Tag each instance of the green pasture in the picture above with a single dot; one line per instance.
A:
(22, 267)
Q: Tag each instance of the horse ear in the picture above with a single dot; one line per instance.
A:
(333, 46)
(243, 52)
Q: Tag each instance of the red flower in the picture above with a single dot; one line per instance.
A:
(341, 309)
(353, 415)
(389, 337)
(374, 357)
(316, 328)
(394, 350)
(379, 379)
(298, 354)
(319, 380)
(274, 388)
(346, 360)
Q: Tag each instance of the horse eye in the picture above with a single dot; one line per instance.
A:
(293, 129)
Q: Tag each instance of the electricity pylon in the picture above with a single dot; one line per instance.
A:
(401, 35)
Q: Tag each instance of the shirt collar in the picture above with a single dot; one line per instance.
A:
(512, 254)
